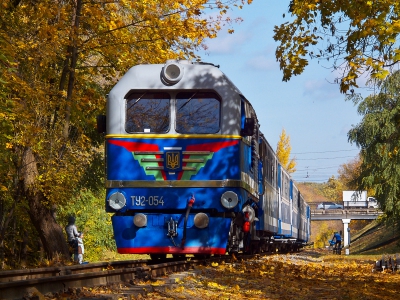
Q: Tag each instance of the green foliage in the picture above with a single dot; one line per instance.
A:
(378, 136)
(93, 221)
(377, 237)
(357, 37)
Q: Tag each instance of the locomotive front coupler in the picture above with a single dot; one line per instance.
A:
(172, 230)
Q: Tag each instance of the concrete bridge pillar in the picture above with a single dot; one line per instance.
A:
(346, 223)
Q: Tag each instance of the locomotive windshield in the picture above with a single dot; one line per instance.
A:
(197, 112)
(147, 112)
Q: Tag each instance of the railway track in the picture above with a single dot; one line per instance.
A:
(16, 284)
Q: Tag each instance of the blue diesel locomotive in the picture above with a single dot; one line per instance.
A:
(188, 170)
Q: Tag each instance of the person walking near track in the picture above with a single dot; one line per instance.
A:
(338, 242)
(72, 235)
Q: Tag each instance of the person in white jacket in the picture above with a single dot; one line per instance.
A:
(80, 249)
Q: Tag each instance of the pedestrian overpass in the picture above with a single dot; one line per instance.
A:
(346, 215)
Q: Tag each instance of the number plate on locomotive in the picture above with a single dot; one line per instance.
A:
(150, 200)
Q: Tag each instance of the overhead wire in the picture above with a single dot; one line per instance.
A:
(315, 173)
(326, 151)
(323, 158)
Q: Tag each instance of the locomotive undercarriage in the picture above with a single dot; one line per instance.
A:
(248, 241)
(256, 241)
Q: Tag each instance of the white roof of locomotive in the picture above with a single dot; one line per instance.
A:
(195, 76)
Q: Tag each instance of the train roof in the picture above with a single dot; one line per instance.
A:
(175, 74)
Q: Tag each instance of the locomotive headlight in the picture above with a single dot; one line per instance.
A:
(172, 72)
(117, 201)
(251, 213)
(229, 199)
(140, 220)
(201, 220)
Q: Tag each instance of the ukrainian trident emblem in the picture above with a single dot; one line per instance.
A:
(173, 161)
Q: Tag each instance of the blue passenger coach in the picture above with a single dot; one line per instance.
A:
(188, 170)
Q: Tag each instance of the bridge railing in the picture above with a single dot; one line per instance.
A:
(346, 211)
(353, 213)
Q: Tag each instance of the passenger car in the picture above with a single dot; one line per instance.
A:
(329, 205)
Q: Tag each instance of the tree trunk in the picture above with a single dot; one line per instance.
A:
(73, 53)
(51, 234)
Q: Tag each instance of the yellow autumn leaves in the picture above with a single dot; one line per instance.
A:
(67, 54)
(306, 275)
(283, 151)
(289, 277)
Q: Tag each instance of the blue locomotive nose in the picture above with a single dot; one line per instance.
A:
(164, 233)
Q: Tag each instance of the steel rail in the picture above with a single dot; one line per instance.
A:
(16, 284)
(25, 274)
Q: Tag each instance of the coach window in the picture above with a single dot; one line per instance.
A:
(197, 112)
(147, 112)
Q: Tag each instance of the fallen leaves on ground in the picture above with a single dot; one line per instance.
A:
(299, 276)
(287, 277)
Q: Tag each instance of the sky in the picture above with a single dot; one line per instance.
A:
(309, 107)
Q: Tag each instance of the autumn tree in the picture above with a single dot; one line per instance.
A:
(322, 236)
(333, 189)
(378, 136)
(67, 54)
(10, 203)
(349, 172)
(358, 38)
(283, 150)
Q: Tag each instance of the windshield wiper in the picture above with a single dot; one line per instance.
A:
(187, 101)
